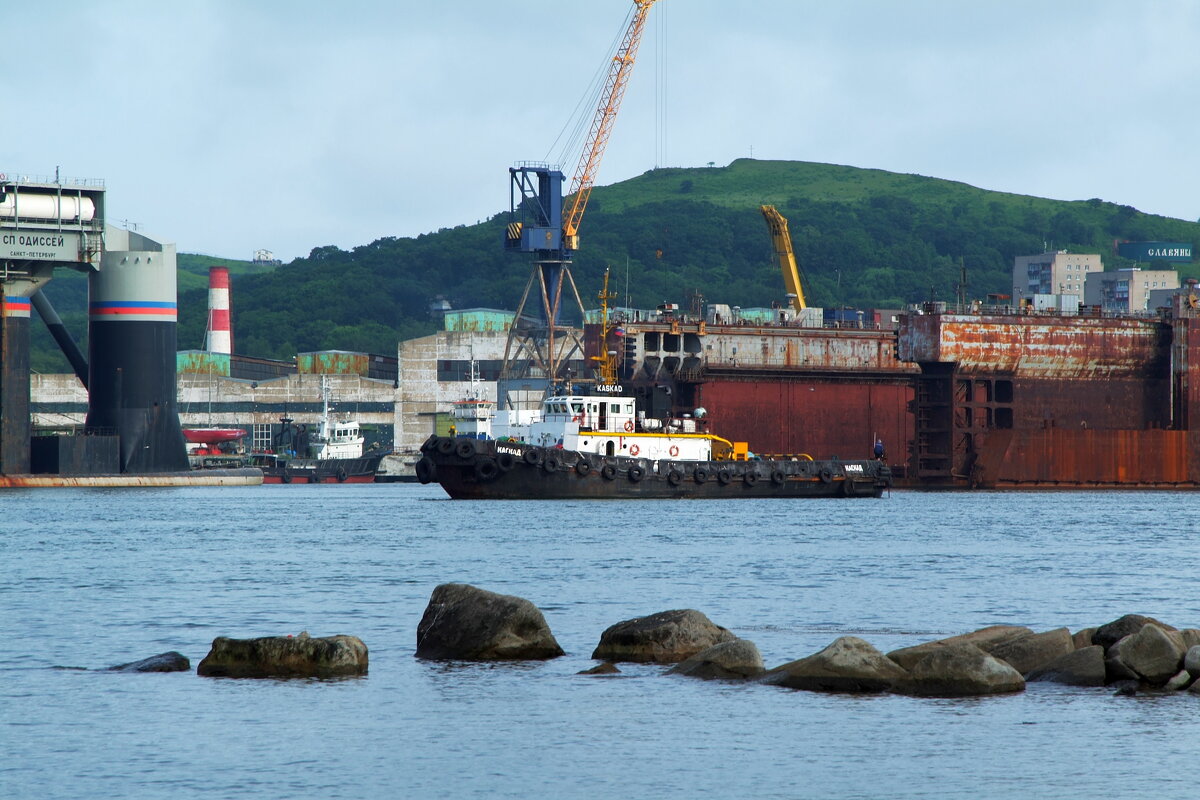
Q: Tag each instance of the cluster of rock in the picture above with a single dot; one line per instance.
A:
(300, 656)
(1133, 652)
(463, 622)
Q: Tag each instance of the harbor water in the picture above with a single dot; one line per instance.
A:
(95, 578)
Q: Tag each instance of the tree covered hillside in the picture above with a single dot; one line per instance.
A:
(864, 238)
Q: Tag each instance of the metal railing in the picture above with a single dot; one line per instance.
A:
(10, 176)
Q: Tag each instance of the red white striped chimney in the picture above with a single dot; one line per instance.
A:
(219, 338)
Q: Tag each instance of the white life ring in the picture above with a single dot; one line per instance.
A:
(633, 450)
(629, 425)
(3, 177)
(674, 451)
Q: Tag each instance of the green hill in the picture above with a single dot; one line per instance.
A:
(864, 238)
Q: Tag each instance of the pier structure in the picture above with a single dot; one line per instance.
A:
(45, 224)
(131, 430)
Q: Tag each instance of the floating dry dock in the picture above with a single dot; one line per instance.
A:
(993, 399)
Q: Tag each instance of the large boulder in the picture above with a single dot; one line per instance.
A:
(1083, 667)
(1152, 653)
(1191, 661)
(849, 664)
(984, 638)
(667, 637)
(302, 656)
(960, 670)
(736, 660)
(471, 624)
(1108, 635)
(163, 662)
(1190, 636)
(1027, 653)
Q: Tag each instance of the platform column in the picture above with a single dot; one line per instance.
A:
(131, 353)
(15, 425)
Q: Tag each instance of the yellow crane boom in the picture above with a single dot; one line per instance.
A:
(782, 240)
(602, 123)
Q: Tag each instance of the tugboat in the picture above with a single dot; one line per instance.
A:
(596, 446)
(333, 454)
(599, 445)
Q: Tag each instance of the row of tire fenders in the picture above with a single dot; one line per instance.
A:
(487, 468)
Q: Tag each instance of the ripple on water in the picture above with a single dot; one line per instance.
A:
(96, 578)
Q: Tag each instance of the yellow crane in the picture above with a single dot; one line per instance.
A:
(606, 114)
(782, 240)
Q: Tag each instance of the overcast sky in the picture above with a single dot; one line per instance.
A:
(232, 125)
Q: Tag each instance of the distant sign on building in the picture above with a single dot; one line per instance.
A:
(1179, 252)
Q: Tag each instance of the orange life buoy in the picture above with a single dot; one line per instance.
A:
(674, 451)
(633, 450)
(629, 425)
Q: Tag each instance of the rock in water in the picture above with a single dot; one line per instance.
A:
(960, 670)
(163, 662)
(1180, 682)
(285, 657)
(1191, 661)
(607, 668)
(736, 660)
(1108, 635)
(849, 664)
(471, 624)
(663, 638)
(1083, 638)
(1083, 667)
(984, 638)
(1151, 653)
(1027, 653)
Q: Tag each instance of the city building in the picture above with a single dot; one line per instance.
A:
(1128, 289)
(1057, 272)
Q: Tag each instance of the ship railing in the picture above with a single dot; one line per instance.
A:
(10, 176)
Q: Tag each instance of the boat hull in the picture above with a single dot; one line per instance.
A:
(471, 469)
(324, 470)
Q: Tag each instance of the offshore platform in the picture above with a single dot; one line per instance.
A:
(132, 434)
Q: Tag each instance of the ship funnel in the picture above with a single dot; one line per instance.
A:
(219, 338)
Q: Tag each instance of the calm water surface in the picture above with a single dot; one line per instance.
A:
(93, 578)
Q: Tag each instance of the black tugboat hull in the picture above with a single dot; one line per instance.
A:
(324, 470)
(470, 469)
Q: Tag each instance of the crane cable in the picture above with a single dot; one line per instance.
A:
(569, 149)
(660, 87)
